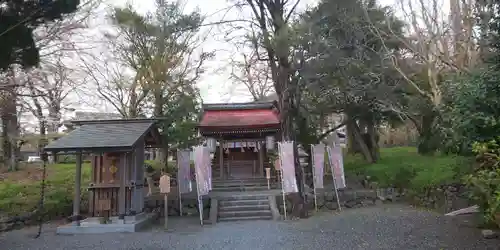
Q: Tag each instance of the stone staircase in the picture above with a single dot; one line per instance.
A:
(240, 185)
(244, 207)
(242, 199)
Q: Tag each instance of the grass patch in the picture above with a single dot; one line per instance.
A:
(399, 166)
(403, 167)
(18, 197)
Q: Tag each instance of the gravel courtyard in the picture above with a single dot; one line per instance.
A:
(381, 227)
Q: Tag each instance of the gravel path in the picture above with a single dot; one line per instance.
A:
(382, 227)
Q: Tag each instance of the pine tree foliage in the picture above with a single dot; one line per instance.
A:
(18, 19)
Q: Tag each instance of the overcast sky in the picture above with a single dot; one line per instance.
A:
(215, 85)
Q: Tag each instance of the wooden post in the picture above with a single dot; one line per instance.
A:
(261, 159)
(122, 192)
(76, 200)
(165, 189)
(268, 177)
(166, 211)
(221, 160)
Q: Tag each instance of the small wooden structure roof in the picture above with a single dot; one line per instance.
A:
(108, 136)
(254, 117)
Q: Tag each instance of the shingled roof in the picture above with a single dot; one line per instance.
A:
(239, 106)
(104, 135)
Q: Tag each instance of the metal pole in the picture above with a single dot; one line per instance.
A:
(200, 208)
(180, 198)
(283, 192)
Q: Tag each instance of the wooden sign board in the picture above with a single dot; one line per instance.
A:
(165, 184)
(277, 164)
(268, 173)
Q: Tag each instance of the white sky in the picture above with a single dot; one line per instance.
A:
(215, 85)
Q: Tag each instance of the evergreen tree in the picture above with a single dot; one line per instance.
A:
(18, 19)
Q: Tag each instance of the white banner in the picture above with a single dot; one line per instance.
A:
(200, 166)
(318, 153)
(286, 156)
(337, 165)
(184, 171)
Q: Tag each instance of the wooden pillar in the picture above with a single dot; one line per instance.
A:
(261, 159)
(76, 200)
(122, 192)
(221, 158)
(137, 165)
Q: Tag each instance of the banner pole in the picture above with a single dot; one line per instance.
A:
(179, 162)
(283, 192)
(332, 167)
(314, 178)
(180, 198)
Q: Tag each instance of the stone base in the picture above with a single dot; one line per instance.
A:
(93, 225)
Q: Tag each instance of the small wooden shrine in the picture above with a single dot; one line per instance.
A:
(116, 192)
(240, 135)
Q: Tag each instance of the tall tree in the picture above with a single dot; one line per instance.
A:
(153, 69)
(18, 21)
(253, 75)
(272, 19)
(346, 68)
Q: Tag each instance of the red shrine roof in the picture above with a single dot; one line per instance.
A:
(240, 116)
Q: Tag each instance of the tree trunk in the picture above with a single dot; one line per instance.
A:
(43, 135)
(10, 124)
(360, 142)
(427, 138)
(373, 136)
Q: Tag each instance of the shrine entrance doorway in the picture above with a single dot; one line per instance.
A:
(244, 165)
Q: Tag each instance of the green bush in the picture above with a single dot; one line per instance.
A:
(470, 113)
(404, 168)
(485, 183)
(171, 167)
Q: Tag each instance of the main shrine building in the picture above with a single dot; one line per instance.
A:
(240, 134)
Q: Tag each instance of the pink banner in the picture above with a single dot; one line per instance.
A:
(184, 171)
(318, 153)
(200, 166)
(337, 165)
(287, 167)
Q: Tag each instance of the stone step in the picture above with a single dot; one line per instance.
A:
(255, 202)
(252, 207)
(248, 179)
(239, 184)
(245, 213)
(247, 183)
(244, 197)
(239, 189)
(266, 217)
